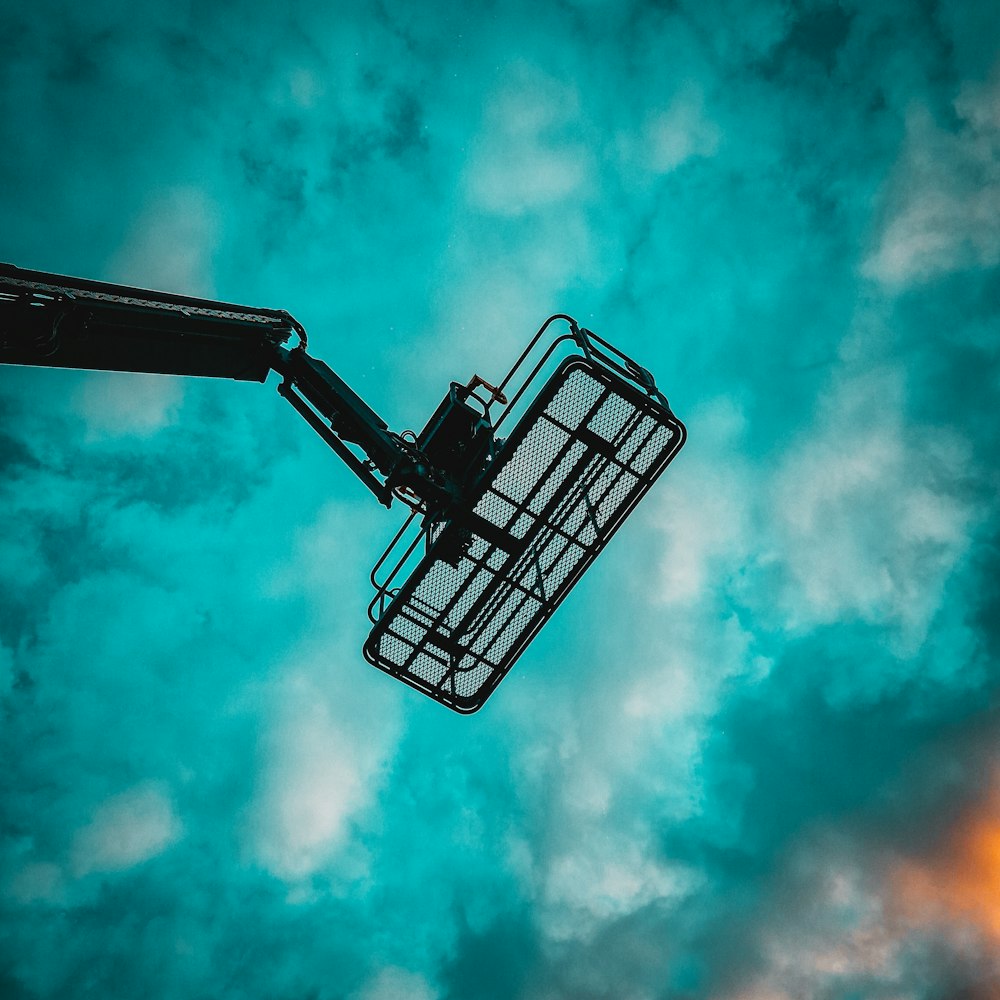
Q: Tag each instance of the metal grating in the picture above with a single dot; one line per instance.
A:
(578, 461)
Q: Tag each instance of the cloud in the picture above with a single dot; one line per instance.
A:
(112, 405)
(872, 514)
(706, 520)
(170, 245)
(6, 669)
(126, 830)
(863, 515)
(950, 888)
(680, 132)
(604, 878)
(37, 882)
(318, 771)
(396, 984)
(851, 915)
(618, 760)
(831, 940)
(529, 156)
(944, 200)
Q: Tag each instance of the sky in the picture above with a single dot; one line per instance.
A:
(756, 754)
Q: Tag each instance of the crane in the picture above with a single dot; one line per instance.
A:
(499, 528)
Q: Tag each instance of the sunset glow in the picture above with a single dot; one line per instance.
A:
(958, 885)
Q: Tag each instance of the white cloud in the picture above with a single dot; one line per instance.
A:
(681, 689)
(680, 133)
(836, 933)
(945, 197)
(171, 244)
(606, 874)
(978, 102)
(6, 667)
(863, 517)
(125, 831)
(115, 404)
(36, 882)
(305, 86)
(627, 760)
(597, 861)
(529, 153)
(705, 507)
(870, 513)
(393, 983)
(527, 176)
(319, 770)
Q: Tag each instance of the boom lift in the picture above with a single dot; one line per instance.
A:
(499, 530)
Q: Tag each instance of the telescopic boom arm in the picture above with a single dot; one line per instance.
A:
(56, 321)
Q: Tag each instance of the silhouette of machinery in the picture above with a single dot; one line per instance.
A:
(499, 529)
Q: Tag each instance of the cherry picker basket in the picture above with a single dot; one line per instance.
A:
(468, 592)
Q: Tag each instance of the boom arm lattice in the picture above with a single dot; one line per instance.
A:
(56, 321)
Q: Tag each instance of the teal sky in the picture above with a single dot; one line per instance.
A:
(755, 755)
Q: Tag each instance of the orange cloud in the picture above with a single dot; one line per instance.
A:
(959, 884)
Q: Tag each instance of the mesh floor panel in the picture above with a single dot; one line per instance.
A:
(578, 461)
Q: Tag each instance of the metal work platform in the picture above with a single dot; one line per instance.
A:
(579, 459)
